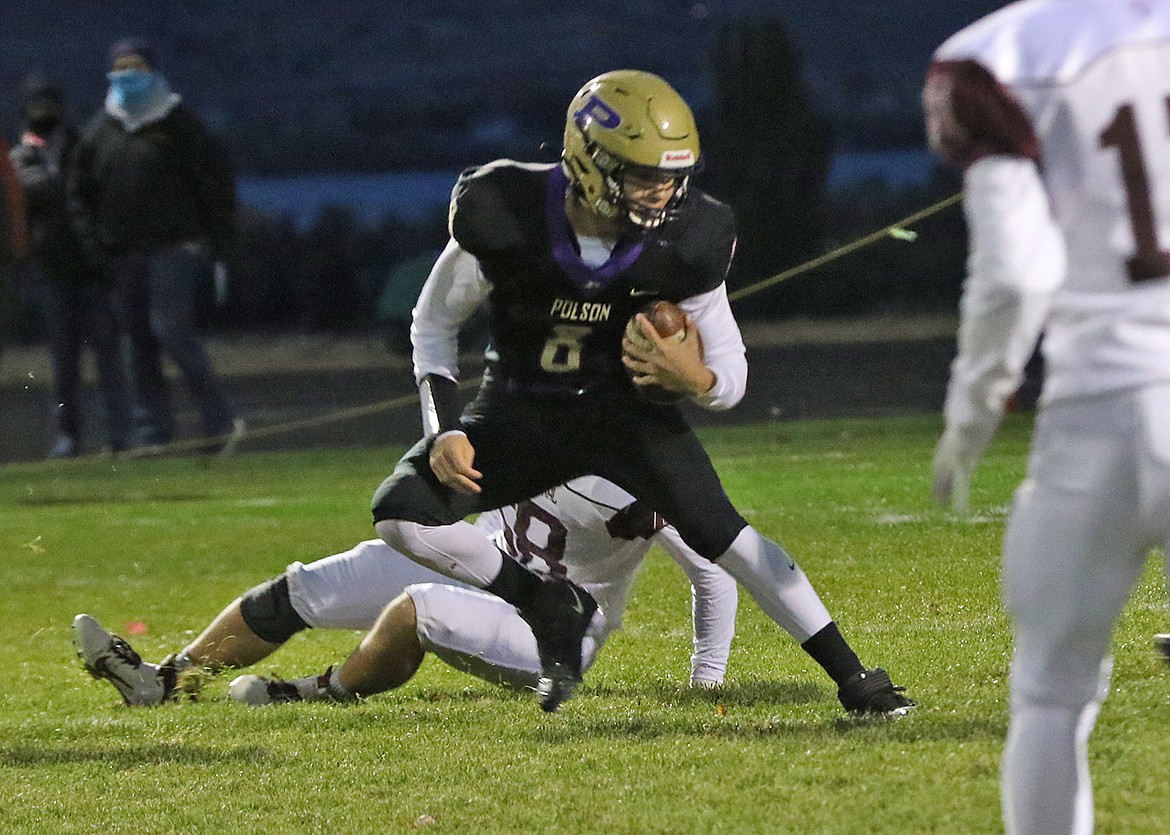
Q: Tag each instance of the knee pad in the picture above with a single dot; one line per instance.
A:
(269, 612)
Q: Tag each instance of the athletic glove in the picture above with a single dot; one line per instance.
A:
(958, 451)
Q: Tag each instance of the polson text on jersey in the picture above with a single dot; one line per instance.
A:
(575, 311)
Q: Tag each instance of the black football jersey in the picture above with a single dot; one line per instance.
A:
(556, 323)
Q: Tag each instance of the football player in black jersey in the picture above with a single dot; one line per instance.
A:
(562, 256)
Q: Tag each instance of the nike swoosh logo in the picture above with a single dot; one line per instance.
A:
(636, 293)
(578, 606)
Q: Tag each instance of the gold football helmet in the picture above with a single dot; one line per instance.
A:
(630, 125)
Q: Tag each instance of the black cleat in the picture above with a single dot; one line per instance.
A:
(871, 693)
(557, 684)
(1162, 642)
(559, 615)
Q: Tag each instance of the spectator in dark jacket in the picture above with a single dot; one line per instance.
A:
(154, 202)
(13, 238)
(78, 296)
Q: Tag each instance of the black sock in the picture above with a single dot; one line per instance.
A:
(828, 648)
(515, 583)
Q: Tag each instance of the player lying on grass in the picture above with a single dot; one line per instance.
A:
(349, 591)
(588, 530)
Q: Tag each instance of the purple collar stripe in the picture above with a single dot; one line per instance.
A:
(589, 281)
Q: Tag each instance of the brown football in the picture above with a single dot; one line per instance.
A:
(671, 323)
(666, 317)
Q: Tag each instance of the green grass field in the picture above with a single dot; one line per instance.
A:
(915, 589)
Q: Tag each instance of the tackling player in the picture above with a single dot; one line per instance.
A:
(1058, 111)
(563, 256)
(588, 530)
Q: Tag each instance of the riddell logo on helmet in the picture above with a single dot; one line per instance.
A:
(677, 159)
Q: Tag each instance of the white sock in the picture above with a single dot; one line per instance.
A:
(181, 661)
(320, 688)
(776, 583)
(335, 688)
(460, 550)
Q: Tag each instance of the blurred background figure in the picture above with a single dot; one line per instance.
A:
(154, 201)
(1059, 124)
(13, 239)
(77, 295)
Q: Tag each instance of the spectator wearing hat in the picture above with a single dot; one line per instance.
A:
(153, 200)
(78, 296)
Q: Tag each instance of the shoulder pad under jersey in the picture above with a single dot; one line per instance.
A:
(704, 240)
(970, 115)
(493, 206)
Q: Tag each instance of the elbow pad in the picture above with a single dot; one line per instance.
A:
(439, 398)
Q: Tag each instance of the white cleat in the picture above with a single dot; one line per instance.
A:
(249, 689)
(260, 690)
(108, 656)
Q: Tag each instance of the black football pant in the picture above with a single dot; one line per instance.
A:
(525, 445)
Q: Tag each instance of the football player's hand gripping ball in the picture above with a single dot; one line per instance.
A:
(664, 358)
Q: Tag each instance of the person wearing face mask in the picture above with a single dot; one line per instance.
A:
(153, 200)
(77, 295)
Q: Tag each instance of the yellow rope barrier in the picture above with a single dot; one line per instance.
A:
(895, 230)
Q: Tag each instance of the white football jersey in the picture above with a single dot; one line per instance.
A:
(588, 530)
(1082, 87)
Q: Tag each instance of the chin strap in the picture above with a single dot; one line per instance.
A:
(439, 397)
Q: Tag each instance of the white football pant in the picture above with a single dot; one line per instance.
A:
(483, 635)
(469, 629)
(1096, 500)
(349, 590)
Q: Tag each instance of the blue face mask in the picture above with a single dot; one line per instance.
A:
(129, 87)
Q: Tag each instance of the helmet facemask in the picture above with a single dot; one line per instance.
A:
(614, 201)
